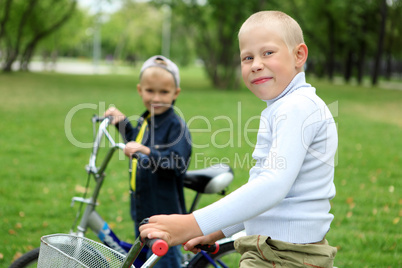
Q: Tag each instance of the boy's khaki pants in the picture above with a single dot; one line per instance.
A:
(262, 251)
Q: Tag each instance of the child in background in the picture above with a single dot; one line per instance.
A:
(162, 141)
(285, 208)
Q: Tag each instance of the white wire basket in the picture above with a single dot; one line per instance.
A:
(68, 251)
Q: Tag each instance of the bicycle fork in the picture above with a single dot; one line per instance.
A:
(105, 234)
(92, 220)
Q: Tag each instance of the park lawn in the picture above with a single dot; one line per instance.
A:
(46, 132)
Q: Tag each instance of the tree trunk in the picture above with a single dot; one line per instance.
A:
(30, 47)
(361, 62)
(26, 56)
(331, 49)
(380, 43)
(10, 58)
(361, 56)
(348, 66)
(388, 53)
(217, 39)
(14, 50)
(4, 20)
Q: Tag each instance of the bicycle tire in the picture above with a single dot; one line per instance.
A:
(226, 254)
(29, 259)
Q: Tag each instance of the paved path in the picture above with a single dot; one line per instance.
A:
(87, 68)
(84, 68)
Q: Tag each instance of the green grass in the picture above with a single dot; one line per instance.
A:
(40, 168)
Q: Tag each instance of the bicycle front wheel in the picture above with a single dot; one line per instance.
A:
(29, 259)
(227, 257)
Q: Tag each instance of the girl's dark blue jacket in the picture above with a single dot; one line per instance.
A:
(159, 176)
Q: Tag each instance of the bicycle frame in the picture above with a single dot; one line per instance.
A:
(211, 180)
(92, 220)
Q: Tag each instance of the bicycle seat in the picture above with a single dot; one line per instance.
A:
(210, 180)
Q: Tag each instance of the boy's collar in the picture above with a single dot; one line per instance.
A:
(297, 81)
(158, 119)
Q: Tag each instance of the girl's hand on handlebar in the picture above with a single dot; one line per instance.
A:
(174, 229)
(116, 114)
(133, 147)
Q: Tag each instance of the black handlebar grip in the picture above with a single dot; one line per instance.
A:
(136, 156)
(213, 249)
(158, 246)
(96, 118)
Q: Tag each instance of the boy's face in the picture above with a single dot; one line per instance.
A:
(157, 90)
(267, 65)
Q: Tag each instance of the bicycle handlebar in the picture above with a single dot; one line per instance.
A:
(102, 131)
(213, 249)
(96, 118)
(158, 246)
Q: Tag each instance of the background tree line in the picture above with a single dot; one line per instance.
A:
(352, 39)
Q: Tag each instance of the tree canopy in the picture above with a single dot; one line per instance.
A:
(352, 39)
(24, 25)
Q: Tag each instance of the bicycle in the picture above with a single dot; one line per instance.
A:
(211, 180)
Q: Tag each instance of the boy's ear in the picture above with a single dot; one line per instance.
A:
(176, 94)
(301, 53)
(139, 89)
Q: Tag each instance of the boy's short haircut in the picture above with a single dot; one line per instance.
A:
(290, 30)
(164, 63)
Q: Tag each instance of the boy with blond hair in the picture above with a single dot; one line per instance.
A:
(283, 209)
(162, 142)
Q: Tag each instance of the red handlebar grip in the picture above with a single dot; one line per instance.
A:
(159, 247)
(216, 248)
(213, 249)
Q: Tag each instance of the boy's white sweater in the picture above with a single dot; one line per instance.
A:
(290, 187)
